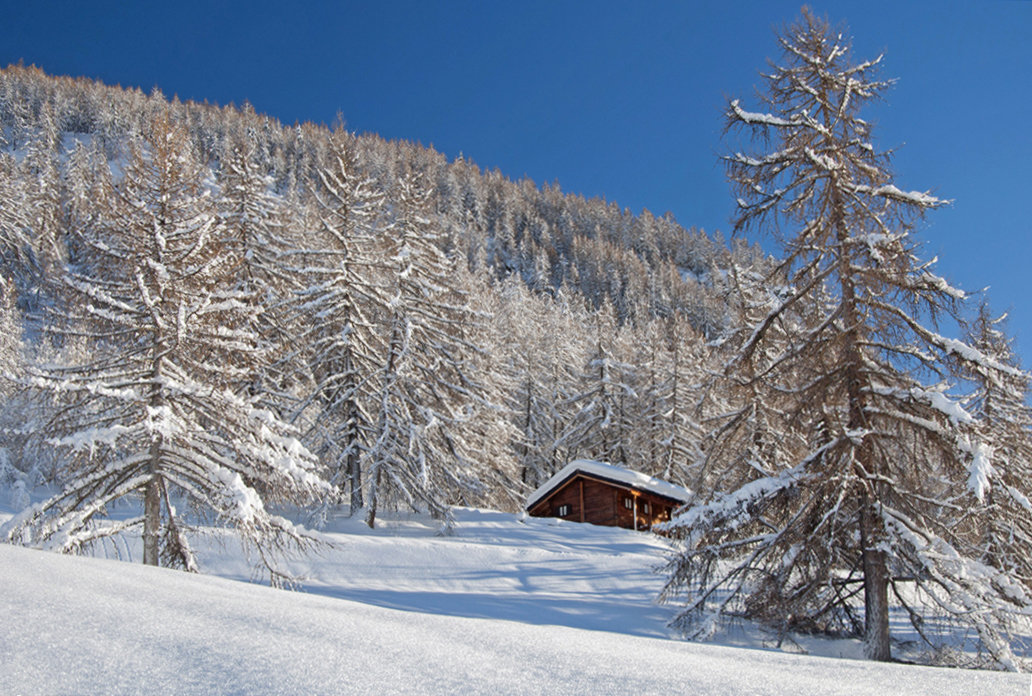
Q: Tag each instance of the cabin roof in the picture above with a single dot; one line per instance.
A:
(617, 475)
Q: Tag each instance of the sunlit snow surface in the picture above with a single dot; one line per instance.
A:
(502, 607)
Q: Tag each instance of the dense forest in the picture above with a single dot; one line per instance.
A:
(433, 334)
(220, 316)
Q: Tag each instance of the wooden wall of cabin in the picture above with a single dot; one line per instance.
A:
(568, 495)
(582, 500)
(597, 502)
(650, 509)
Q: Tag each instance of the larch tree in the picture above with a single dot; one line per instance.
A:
(490, 475)
(10, 336)
(529, 326)
(1005, 422)
(342, 294)
(568, 343)
(43, 193)
(597, 430)
(14, 241)
(646, 418)
(677, 431)
(11, 365)
(424, 451)
(862, 480)
(151, 411)
(259, 227)
(543, 349)
(518, 318)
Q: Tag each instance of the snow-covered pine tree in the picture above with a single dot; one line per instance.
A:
(600, 428)
(676, 428)
(860, 481)
(252, 220)
(342, 295)
(13, 223)
(43, 193)
(151, 410)
(421, 454)
(1005, 422)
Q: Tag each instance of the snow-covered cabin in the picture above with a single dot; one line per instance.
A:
(598, 493)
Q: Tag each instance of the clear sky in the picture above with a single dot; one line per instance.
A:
(620, 100)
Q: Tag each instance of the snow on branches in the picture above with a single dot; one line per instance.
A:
(859, 464)
(153, 408)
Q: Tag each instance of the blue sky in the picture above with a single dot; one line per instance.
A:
(621, 100)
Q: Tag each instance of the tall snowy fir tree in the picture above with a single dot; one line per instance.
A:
(1000, 403)
(13, 224)
(338, 309)
(10, 338)
(861, 484)
(43, 195)
(253, 225)
(151, 411)
(423, 452)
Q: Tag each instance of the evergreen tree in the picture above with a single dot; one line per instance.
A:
(857, 458)
(254, 224)
(1005, 421)
(428, 388)
(152, 411)
(13, 224)
(343, 298)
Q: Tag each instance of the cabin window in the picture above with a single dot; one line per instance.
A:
(564, 510)
(628, 503)
(645, 507)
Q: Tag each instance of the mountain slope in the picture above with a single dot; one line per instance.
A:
(502, 607)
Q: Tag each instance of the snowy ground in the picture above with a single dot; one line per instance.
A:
(504, 606)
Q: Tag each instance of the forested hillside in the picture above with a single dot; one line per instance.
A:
(432, 333)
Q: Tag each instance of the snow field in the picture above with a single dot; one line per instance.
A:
(502, 607)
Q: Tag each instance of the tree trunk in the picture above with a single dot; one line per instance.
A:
(353, 461)
(152, 519)
(374, 494)
(152, 492)
(875, 563)
(355, 474)
(876, 589)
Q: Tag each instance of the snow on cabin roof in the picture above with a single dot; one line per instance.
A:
(616, 474)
